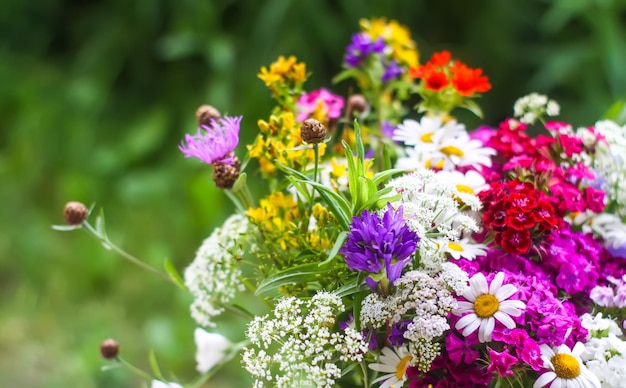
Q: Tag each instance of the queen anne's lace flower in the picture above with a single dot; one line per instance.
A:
(296, 346)
(213, 277)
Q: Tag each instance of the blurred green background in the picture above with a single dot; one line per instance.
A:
(95, 97)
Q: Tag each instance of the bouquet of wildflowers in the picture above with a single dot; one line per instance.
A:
(392, 247)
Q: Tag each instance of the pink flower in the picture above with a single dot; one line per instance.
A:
(214, 143)
(501, 363)
(308, 102)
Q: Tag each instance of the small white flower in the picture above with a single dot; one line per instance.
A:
(486, 304)
(566, 370)
(160, 384)
(394, 363)
(211, 349)
(465, 249)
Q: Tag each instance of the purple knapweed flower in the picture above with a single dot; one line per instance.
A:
(214, 143)
(392, 71)
(361, 47)
(376, 244)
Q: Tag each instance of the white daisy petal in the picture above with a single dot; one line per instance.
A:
(544, 379)
(466, 320)
(486, 328)
(505, 292)
(496, 283)
(505, 319)
(480, 283)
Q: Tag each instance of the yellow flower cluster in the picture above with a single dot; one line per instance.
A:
(280, 141)
(396, 36)
(284, 75)
(282, 222)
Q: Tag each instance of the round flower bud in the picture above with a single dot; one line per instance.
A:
(312, 131)
(109, 348)
(75, 213)
(357, 103)
(225, 175)
(206, 113)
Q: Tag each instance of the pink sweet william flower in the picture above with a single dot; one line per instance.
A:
(501, 363)
(308, 102)
(214, 143)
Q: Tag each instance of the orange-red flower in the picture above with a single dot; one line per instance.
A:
(468, 81)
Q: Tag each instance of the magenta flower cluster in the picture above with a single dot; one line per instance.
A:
(214, 143)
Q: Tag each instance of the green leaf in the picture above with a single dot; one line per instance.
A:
(304, 273)
(473, 107)
(240, 183)
(346, 74)
(155, 366)
(617, 112)
(360, 149)
(338, 244)
(173, 274)
(383, 176)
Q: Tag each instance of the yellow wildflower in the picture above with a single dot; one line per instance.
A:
(397, 36)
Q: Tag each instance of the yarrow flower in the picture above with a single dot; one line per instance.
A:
(380, 246)
(214, 143)
(486, 304)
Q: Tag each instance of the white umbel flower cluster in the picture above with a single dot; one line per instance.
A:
(535, 106)
(424, 300)
(432, 208)
(296, 346)
(605, 351)
(213, 277)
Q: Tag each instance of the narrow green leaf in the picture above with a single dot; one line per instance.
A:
(617, 112)
(338, 244)
(473, 107)
(352, 173)
(360, 149)
(154, 365)
(383, 176)
(304, 273)
(240, 183)
(346, 74)
(174, 275)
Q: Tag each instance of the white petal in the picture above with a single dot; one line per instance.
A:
(465, 321)
(385, 368)
(544, 379)
(512, 309)
(505, 292)
(578, 349)
(496, 283)
(486, 328)
(591, 378)
(463, 307)
(479, 283)
(547, 351)
(504, 319)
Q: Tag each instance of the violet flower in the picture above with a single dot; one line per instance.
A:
(380, 246)
(361, 47)
(214, 143)
(392, 71)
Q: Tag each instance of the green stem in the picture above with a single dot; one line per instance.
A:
(365, 377)
(107, 243)
(134, 369)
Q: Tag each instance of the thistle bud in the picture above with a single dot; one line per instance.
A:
(225, 175)
(312, 131)
(75, 213)
(206, 113)
(109, 348)
(357, 104)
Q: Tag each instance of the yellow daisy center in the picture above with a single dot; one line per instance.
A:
(455, 247)
(427, 137)
(464, 189)
(402, 365)
(566, 366)
(486, 305)
(452, 150)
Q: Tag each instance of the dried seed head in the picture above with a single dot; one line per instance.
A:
(206, 113)
(357, 104)
(75, 213)
(312, 131)
(109, 348)
(225, 175)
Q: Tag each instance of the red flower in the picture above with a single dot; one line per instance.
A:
(514, 241)
(436, 80)
(468, 81)
(440, 59)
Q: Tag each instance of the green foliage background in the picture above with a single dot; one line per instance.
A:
(95, 97)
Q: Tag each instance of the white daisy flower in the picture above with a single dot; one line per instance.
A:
(486, 304)
(411, 132)
(394, 363)
(465, 249)
(462, 151)
(566, 369)
(471, 182)
(211, 349)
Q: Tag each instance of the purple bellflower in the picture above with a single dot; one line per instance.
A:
(361, 47)
(381, 246)
(215, 142)
(392, 71)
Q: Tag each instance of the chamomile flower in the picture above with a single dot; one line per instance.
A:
(411, 132)
(486, 304)
(465, 249)
(394, 363)
(566, 369)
